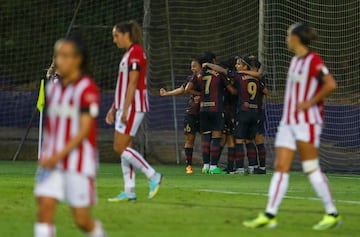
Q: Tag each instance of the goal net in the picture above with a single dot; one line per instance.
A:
(174, 33)
(337, 25)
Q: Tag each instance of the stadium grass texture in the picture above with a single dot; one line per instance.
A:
(186, 206)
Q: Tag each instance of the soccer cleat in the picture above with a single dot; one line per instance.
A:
(240, 171)
(259, 171)
(217, 170)
(261, 221)
(123, 197)
(154, 184)
(205, 171)
(189, 169)
(328, 222)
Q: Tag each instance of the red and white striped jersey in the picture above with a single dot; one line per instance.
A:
(303, 82)
(64, 107)
(133, 59)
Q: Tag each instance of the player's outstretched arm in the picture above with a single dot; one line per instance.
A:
(177, 91)
(215, 68)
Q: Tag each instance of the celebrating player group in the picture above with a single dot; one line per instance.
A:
(225, 106)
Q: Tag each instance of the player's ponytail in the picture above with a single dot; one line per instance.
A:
(134, 30)
(305, 33)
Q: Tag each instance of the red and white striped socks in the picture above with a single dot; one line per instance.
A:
(138, 162)
(278, 187)
(322, 188)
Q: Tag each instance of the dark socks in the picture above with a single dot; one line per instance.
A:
(262, 154)
(231, 158)
(215, 150)
(188, 155)
(205, 148)
(239, 156)
(251, 154)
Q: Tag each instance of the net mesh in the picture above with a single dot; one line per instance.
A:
(174, 33)
(337, 25)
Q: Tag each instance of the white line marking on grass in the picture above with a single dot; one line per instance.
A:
(265, 195)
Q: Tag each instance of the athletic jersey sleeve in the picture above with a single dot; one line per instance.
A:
(317, 68)
(135, 60)
(90, 101)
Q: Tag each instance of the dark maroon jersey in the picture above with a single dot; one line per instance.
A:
(212, 86)
(249, 92)
(261, 95)
(192, 107)
(230, 102)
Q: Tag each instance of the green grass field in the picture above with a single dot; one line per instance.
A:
(186, 206)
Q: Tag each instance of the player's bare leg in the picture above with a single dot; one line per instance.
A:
(132, 159)
(83, 220)
(189, 149)
(45, 218)
(310, 162)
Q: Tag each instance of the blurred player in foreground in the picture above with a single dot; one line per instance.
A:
(129, 108)
(308, 83)
(191, 119)
(69, 157)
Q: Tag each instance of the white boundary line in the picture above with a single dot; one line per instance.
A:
(265, 195)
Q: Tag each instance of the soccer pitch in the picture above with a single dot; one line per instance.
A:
(186, 206)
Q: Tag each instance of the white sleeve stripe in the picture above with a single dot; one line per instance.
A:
(134, 66)
(325, 70)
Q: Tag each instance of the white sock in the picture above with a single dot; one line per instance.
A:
(278, 187)
(206, 166)
(44, 230)
(98, 231)
(251, 169)
(138, 162)
(129, 176)
(321, 185)
(213, 167)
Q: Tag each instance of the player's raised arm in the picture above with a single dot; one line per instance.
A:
(215, 68)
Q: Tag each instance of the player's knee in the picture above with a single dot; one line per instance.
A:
(119, 149)
(282, 167)
(310, 166)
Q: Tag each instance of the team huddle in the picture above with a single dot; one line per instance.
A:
(225, 106)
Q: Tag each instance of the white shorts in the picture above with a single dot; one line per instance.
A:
(134, 121)
(288, 135)
(76, 189)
